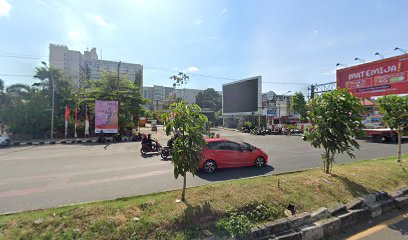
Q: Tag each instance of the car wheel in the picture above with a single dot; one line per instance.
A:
(260, 162)
(209, 166)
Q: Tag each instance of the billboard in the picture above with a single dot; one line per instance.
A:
(378, 78)
(106, 116)
(242, 97)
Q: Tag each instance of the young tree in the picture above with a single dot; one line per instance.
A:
(179, 80)
(336, 116)
(189, 145)
(298, 104)
(209, 98)
(395, 111)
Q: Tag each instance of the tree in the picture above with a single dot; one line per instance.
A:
(209, 98)
(395, 111)
(44, 75)
(179, 80)
(107, 88)
(298, 104)
(1, 85)
(26, 111)
(2, 105)
(336, 116)
(188, 147)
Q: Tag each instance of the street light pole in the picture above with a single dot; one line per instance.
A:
(52, 100)
(118, 80)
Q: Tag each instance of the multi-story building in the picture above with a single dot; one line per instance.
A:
(159, 95)
(77, 66)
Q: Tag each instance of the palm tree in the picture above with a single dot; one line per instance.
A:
(44, 75)
(19, 91)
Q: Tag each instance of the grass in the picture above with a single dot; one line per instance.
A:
(159, 217)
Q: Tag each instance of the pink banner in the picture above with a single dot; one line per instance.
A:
(106, 116)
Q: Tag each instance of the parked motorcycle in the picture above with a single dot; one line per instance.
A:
(117, 138)
(155, 147)
(101, 138)
(137, 137)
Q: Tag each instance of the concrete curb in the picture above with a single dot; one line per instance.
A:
(37, 143)
(325, 223)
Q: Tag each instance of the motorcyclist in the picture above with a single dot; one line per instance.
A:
(171, 141)
(150, 142)
(144, 139)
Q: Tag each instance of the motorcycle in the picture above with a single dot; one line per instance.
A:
(165, 152)
(137, 137)
(117, 138)
(153, 148)
(101, 138)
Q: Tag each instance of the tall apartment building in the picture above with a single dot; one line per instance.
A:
(78, 66)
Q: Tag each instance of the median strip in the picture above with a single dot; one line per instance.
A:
(227, 208)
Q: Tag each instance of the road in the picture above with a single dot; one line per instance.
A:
(36, 177)
(393, 225)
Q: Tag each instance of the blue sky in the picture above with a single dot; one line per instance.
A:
(283, 41)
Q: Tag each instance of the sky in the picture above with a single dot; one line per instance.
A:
(290, 43)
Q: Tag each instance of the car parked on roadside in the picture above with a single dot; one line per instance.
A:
(5, 141)
(224, 153)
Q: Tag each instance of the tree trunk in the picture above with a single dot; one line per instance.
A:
(327, 165)
(399, 145)
(183, 194)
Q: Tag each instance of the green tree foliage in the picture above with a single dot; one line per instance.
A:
(336, 116)
(139, 78)
(26, 112)
(179, 80)
(44, 75)
(188, 147)
(109, 88)
(209, 98)
(298, 104)
(395, 111)
(1, 85)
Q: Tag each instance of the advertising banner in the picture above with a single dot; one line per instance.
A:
(383, 77)
(106, 116)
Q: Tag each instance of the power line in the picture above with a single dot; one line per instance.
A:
(145, 67)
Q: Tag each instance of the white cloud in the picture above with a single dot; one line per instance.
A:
(192, 69)
(199, 21)
(76, 35)
(100, 21)
(224, 11)
(5, 8)
(330, 73)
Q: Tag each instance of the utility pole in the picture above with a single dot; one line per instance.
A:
(52, 100)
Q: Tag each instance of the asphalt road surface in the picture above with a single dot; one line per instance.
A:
(393, 225)
(35, 177)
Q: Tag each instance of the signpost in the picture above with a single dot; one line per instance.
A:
(271, 113)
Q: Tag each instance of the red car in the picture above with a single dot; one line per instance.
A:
(224, 153)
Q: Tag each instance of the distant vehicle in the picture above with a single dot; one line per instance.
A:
(142, 122)
(382, 134)
(5, 141)
(224, 153)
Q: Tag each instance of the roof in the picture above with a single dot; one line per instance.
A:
(367, 103)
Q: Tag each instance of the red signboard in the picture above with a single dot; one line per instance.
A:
(378, 78)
